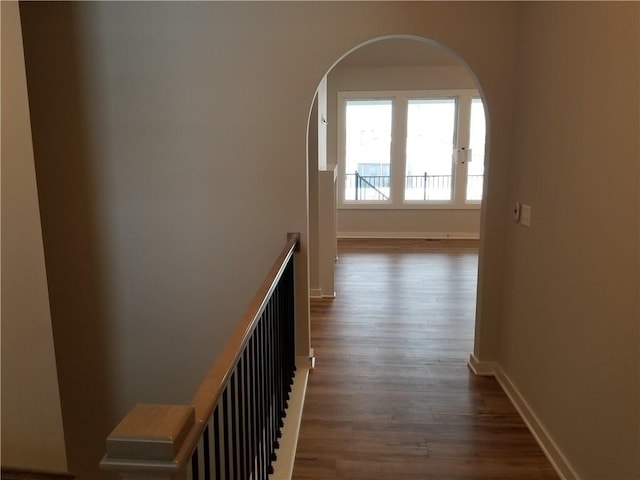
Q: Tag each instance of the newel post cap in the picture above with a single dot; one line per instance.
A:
(151, 432)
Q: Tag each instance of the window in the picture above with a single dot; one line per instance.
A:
(411, 149)
(431, 139)
(368, 150)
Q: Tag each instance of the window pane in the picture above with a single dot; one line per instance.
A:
(430, 141)
(368, 150)
(477, 135)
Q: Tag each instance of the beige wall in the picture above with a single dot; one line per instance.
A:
(432, 223)
(170, 143)
(31, 418)
(401, 223)
(569, 336)
(145, 117)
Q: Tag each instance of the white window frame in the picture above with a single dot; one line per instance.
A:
(400, 99)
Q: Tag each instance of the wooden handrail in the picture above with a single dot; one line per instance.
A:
(209, 391)
(138, 428)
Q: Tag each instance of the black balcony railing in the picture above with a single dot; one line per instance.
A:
(427, 187)
(417, 187)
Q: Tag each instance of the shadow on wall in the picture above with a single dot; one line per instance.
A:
(74, 260)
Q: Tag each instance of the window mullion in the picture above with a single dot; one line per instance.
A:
(398, 149)
(341, 144)
(463, 119)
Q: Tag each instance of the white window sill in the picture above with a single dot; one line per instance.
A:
(410, 206)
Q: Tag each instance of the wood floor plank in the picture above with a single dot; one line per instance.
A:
(391, 396)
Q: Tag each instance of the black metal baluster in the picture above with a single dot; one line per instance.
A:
(272, 372)
(262, 457)
(275, 409)
(194, 465)
(290, 325)
(268, 384)
(205, 456)
(283, 347)
(225, 430)
(254, 405)
(280, 369)
(273, 375)
(243, 414)
(292, 320)
(265, 393)
(216, 443)
(234, 434)
(285, 337)
(240, 474)
(270, 378)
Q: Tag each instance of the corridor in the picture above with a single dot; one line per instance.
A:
(391, 396)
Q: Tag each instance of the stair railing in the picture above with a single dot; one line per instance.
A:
(231, 429)
(360, 179)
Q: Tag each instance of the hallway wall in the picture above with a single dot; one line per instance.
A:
(570, 325)
(170, 143)
(170, 146)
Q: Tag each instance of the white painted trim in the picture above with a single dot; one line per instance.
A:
(479, 367)
(419, 235)
(318, 293)
(286, 454)
(544, 439)
(410, 205)
(542, 436)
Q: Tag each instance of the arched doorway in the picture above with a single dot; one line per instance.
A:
(408, 74)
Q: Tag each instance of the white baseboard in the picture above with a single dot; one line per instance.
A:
(286, 454)
(418, 235)
(546, 442)
(481, 368)
(544, 439)
(318, 293)
(315, 293)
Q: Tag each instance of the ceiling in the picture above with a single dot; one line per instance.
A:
(398, 52)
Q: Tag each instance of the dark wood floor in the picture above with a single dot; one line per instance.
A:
(391, 396)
